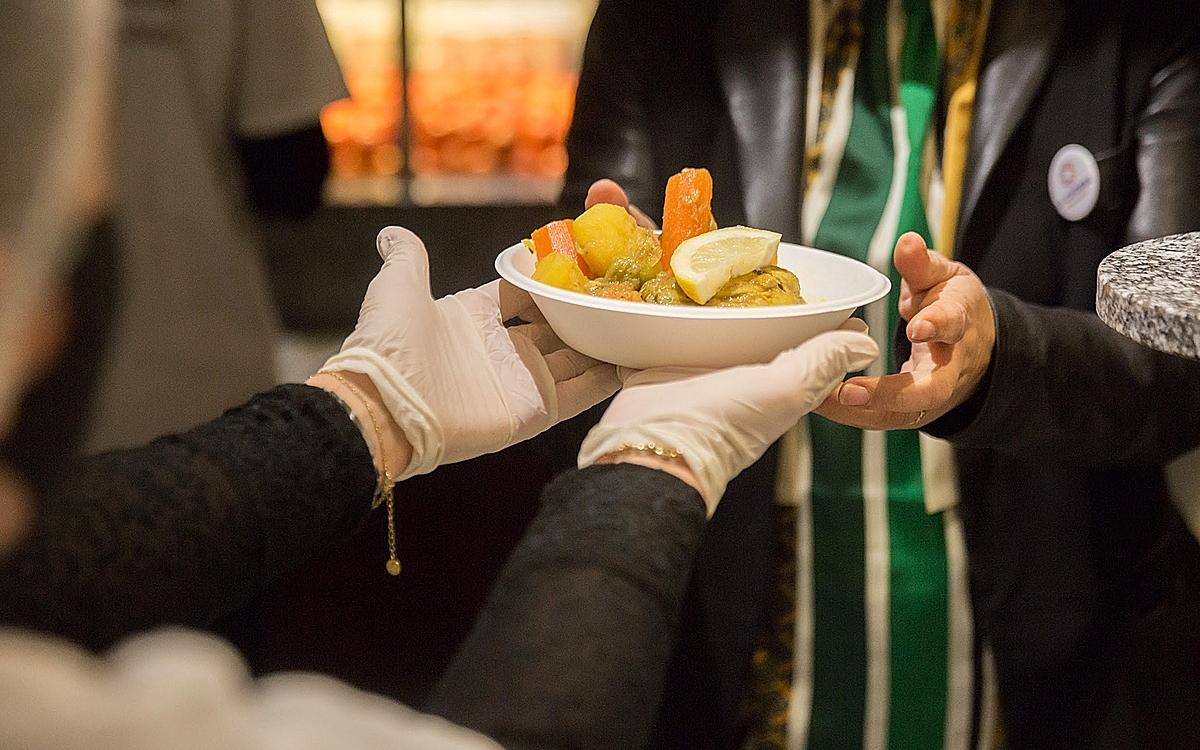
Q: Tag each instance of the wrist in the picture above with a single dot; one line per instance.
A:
(390, 450)
(415, 420)
(654, 457)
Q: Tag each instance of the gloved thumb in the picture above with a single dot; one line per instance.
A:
(405, 257)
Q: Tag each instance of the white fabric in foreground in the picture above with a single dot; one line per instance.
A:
(181, 690)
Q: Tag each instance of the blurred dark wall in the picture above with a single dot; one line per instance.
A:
(320, 268)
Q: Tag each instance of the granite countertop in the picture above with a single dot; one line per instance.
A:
(1150, 292)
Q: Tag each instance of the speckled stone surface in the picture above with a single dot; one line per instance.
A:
(1151, 293)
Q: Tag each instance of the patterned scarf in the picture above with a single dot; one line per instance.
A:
(871, 595)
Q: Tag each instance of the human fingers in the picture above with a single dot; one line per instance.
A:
(854, 324)
(516, 303)
(642, 219)
(395, 240)
(405, 260)
(565, 363)
(608, 191)
(885, 406)
(945, 320)
(830, 354)
(924, 387)
(491, 290)
(849, 339)
(574, 380)
(919, 394)
(587, 389)
(659, 375)
(541, 335)
(625, 374)
(920, 268)
(874, 419)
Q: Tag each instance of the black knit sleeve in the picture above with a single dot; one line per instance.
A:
(572, 645)
(189, 527)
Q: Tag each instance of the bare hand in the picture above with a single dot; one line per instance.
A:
(952, 330)
(607, 191)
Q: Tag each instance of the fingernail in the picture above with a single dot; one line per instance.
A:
(922, 330)
(853, 395)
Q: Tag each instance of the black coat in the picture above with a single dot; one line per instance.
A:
(1084, 579)
(568, 651)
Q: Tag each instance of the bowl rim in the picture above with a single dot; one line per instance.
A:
(879, 289)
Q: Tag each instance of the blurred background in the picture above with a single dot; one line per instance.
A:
(454, 128)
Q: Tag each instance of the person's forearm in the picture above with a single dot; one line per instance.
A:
(1064, 384)
(389, 447)
(189, 527)
(571, 647)
(676, 466)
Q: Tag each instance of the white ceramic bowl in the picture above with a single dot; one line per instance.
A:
(642, 334)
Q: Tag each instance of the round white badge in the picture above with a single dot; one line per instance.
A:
(1074, 182)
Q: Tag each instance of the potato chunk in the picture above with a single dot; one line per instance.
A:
(606, 232)
(561, 271)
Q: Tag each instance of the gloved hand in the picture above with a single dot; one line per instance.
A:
(722, 421)
(458, 383)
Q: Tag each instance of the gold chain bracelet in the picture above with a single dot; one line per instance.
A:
(385, 493)
(654, 448)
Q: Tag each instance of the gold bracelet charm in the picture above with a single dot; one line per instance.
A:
(385, 493)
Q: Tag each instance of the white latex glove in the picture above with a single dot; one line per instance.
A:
(722, 421)
(458, 383)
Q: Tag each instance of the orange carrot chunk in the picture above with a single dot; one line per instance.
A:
(687, 209)
(559, 237)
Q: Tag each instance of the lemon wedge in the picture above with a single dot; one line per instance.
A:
(704, 263)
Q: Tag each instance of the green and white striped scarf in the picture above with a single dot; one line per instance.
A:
(882, 645)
